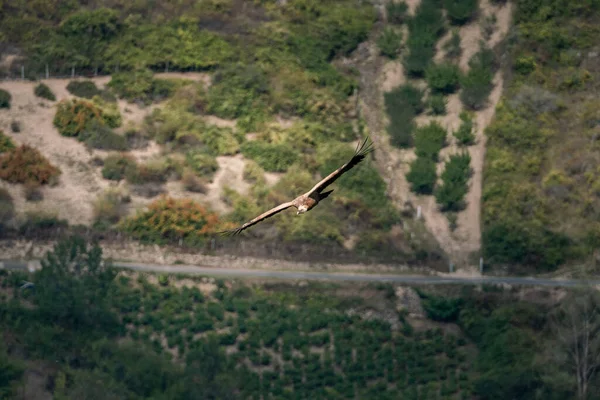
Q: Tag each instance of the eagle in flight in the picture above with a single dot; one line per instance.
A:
(310, 199)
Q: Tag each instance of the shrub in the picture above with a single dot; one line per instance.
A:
(443, 77)
(6, 143)
(86, 89)
(7, 208)
(424, 30)
(440, 308)
(219, 141)
(488, 25)
(402, 105)
(422, 176)
(461, 11)
(389, 42)
(133, 85)
(42, 90)
(464, 135)
(437, 104)
(271, 157)
(253, 173)
(32, 192)
(110, 112)
(450, 195)
(116, 166)
(476, 87)
(5, 99)
(27, 165)
(73, 116)
(397, 12)
(452, 46)
(96, 135)
(429, 140)
(15, 126)
(108, 206)
(168, 219)
(203, 164)
(193, 183)
(151, 172)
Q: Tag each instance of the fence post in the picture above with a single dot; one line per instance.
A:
(451, 267)
(47, 72)
(212, 244)
(22, 72)
(481, 265)
(72, 72)
(167, 67)
(96, 71)
(418, 212)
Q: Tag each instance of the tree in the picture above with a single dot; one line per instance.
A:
(577, 327)
(71, 288)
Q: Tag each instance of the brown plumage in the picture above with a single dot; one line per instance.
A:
(310, 199)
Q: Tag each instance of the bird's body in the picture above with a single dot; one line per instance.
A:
(310, 199)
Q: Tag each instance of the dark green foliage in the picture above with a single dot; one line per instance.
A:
(425, 29)
(477, 83)
(238, 90)
(10, 372)
(461, 11)
(450, 195)
(440, 308)
(429, 140)
(437, 104)
(99, 136)
(452, 46)
(464, 135)
(85, 89)
(422, 175)
(443, 77)
(396, 12)
(389, 42)
(71, 288)
(42, 90)
(140, 86)
(116, 166)
(5, 98)
(270, 157)
(203, 164)
(402, 105)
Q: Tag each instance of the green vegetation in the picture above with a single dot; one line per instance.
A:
(450, 195)
(539, 184)
(203, 164)
(397, 12)
(7, 207)
(6, 143)
(26, 164)
(5, 98)
(425, 28)
(452, 46)
(443, 77)
(195, 339)
(437, 104)
(270, 157)
(429, 140)
(85, 89)
(464, 135)
(461, 11)
(117, 166)
(42, 90)
(422, 175)
(402, 105)
(389, 42)
(73, 117)
(140, 85)
(477, 83)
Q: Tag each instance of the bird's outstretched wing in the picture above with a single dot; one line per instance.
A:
(362, 150)
(256, 220)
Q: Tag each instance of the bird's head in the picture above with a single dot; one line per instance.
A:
(301, 210)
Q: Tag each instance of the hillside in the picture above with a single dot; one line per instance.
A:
(164, 337)
(194, 117)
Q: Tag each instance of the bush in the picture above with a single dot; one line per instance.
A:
(253, 173)
(203, 164)
(168, 219)
(452, 46)
(461, 11)
(440, 308)
(443, 77)
(151, 172)
(422, 176)
(15, 126)
(193, 183)
(450, 195)
(133, 85)
(437, 104)
(5, 99)
(477, 86)
(96, 135)
(73, 116)
(397, 12)
(270, 157)
(402, 105)
(7, 208)
(464, 135)
(424, 30)
(85, 89)
(389, 42)
(27, 165)
(116, 166)
(108, 207)
(429, 140)
(42, 90)
(6, 143)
